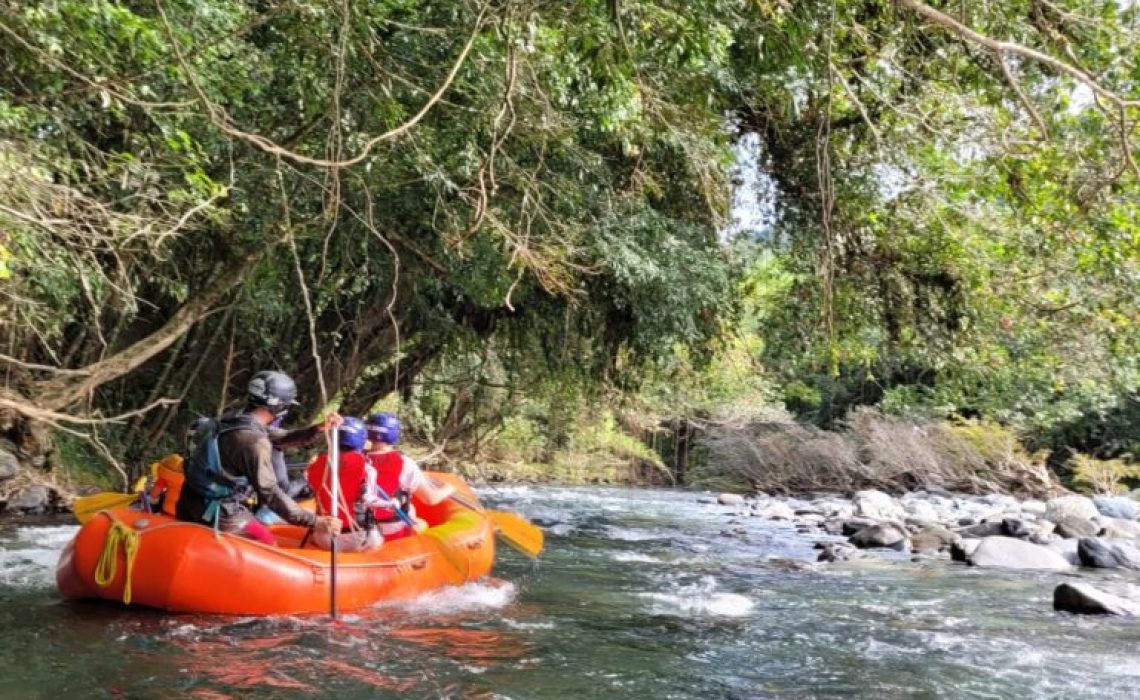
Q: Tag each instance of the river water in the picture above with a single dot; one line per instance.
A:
(638, 595)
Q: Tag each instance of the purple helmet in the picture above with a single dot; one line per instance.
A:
(384, 427)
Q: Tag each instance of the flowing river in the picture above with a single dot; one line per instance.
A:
(638, 595)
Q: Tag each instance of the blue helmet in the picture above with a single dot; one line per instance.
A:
(352, 434)
(384, 427)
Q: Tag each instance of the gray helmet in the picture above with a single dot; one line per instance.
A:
(274, 390)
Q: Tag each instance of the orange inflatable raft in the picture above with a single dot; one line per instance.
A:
(154, 560)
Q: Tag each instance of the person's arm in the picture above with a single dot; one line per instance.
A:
(303, 437)
(271, 495)
(428, 491)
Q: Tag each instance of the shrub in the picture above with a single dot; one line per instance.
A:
(1103, 475)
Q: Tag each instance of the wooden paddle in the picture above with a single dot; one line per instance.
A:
(515, 530)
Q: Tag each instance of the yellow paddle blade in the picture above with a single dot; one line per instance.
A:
(85, 508)
(518, 532)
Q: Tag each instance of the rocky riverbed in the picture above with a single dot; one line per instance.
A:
(1069, 533)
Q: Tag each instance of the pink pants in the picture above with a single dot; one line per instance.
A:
(256, 530)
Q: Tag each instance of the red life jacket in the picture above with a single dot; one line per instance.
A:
(351, 487)
(389, 466)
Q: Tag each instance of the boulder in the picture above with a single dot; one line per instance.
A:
(923, 510)
(1010, 553)
(886, 535)
(1066, 548)
(1034, 507)
(9, 465)
(1083, 599)
(988, 529)
(961, 549)
(835, 551)
(1001, 502)
(877, 506)
(776, 511)
(1023, 529)
(1104, 554)
(1073, 526)
(31, 500)
(1076, 506)
(834, 526)
(1116, 507)
(1016, 527)
(1119, 529)
(933, 539)
(730, 499)
(850, 527)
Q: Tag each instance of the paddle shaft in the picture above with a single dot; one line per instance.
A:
(399, 512)
(334, 472)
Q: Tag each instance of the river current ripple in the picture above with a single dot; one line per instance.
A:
(639, 594)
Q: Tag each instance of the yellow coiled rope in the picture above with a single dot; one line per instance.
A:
(109, 561)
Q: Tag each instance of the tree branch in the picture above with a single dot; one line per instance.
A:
(1008, 47)
(60, 392)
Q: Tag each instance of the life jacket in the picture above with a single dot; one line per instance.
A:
(203, 467)
(353, 480)
(389, 466)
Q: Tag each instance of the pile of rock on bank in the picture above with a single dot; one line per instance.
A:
(1068, 533)
(22, 488)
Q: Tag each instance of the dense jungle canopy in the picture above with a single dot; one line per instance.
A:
(516, 216)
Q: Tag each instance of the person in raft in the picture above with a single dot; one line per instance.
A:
(356, 492)
(230, 472)
(397, 477)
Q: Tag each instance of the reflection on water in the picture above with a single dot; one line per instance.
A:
(639, 595)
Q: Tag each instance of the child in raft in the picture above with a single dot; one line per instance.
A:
(356, 492)
(397, 478)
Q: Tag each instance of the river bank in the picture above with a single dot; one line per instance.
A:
(1095, 541)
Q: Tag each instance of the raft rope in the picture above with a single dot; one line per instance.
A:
(107, 568)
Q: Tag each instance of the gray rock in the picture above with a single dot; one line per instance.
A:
(1073, 526)
(1076, 506)
(833, 526)
(1066, 548)
(777, 511)
(31, 500)
(9, 465)
(1039, 531)
(1016, 527)
(835, 551)
(989, 529)
(933, 539)
(877, 506)
(1116, 507)
(1103, 554)
(886, 535)
(1010, 553)
(961, 549)
(1118, 529)
(850, 527)
(1034, 507)
(1083, 599)
(923, 510)
(730, 499)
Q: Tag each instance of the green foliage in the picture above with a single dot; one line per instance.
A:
(1103, 475)
(545, 239)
